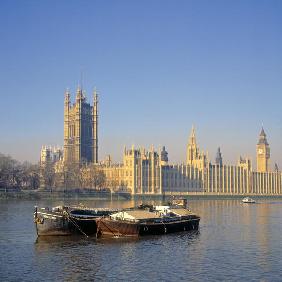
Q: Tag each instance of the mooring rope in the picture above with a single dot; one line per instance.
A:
(75, 224)
(164, 226)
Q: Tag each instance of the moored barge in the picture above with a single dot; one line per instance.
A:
(64, 220)
(141, 222)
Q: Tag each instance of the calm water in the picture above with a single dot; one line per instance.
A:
(236, 242)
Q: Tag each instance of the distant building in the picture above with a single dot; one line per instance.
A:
(50, 155)
(80, 129)
(241, 179)
(218, 157)
(193, 155)
(228, 179)
(149, 171)
(50, 158)
(263, 153)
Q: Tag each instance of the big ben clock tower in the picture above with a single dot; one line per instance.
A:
(263, 153)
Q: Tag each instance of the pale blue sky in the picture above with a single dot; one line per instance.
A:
(160, 66)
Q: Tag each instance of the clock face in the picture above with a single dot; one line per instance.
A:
(260, 151)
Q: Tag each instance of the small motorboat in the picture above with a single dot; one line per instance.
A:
(248, 200)
(68, 220)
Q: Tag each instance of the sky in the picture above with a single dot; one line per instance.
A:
(159, 67)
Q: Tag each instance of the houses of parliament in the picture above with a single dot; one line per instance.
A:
(149, 171)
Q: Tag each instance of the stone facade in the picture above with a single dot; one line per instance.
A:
(80, 129)
(149, 171)
(49, 155)
(241, 179)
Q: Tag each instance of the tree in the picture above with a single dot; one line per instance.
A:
(48, 176)
(97, 178)
(31, 175)
(72, 176)
(6, 171)
(14, 174)
(112, 184)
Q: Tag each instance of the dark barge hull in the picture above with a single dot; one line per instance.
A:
(52, 226)
(116, 228)
(62, 226)
(48, 223)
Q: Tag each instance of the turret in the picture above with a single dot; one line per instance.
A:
(164, 156)
(218, 157)
(79, 94)
(67, 98)
(66, 125)
(245, 163)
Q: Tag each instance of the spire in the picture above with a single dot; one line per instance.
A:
(67, 95)
(218, 158)
(79, 94)
(67, 98)
(84, 94)
(95, 95)
(262, 133)
(262, 137)
(81, 79)
(193, 129)
(192, 149)
(193, 136)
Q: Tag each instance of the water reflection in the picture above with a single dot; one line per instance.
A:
(86, 259)
(45, 242)
(235, 243)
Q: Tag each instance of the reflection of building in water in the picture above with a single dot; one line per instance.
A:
(263, 234)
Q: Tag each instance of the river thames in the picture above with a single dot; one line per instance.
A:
(235, 242)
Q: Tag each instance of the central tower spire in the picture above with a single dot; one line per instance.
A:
(193, 136)
(192, 149)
